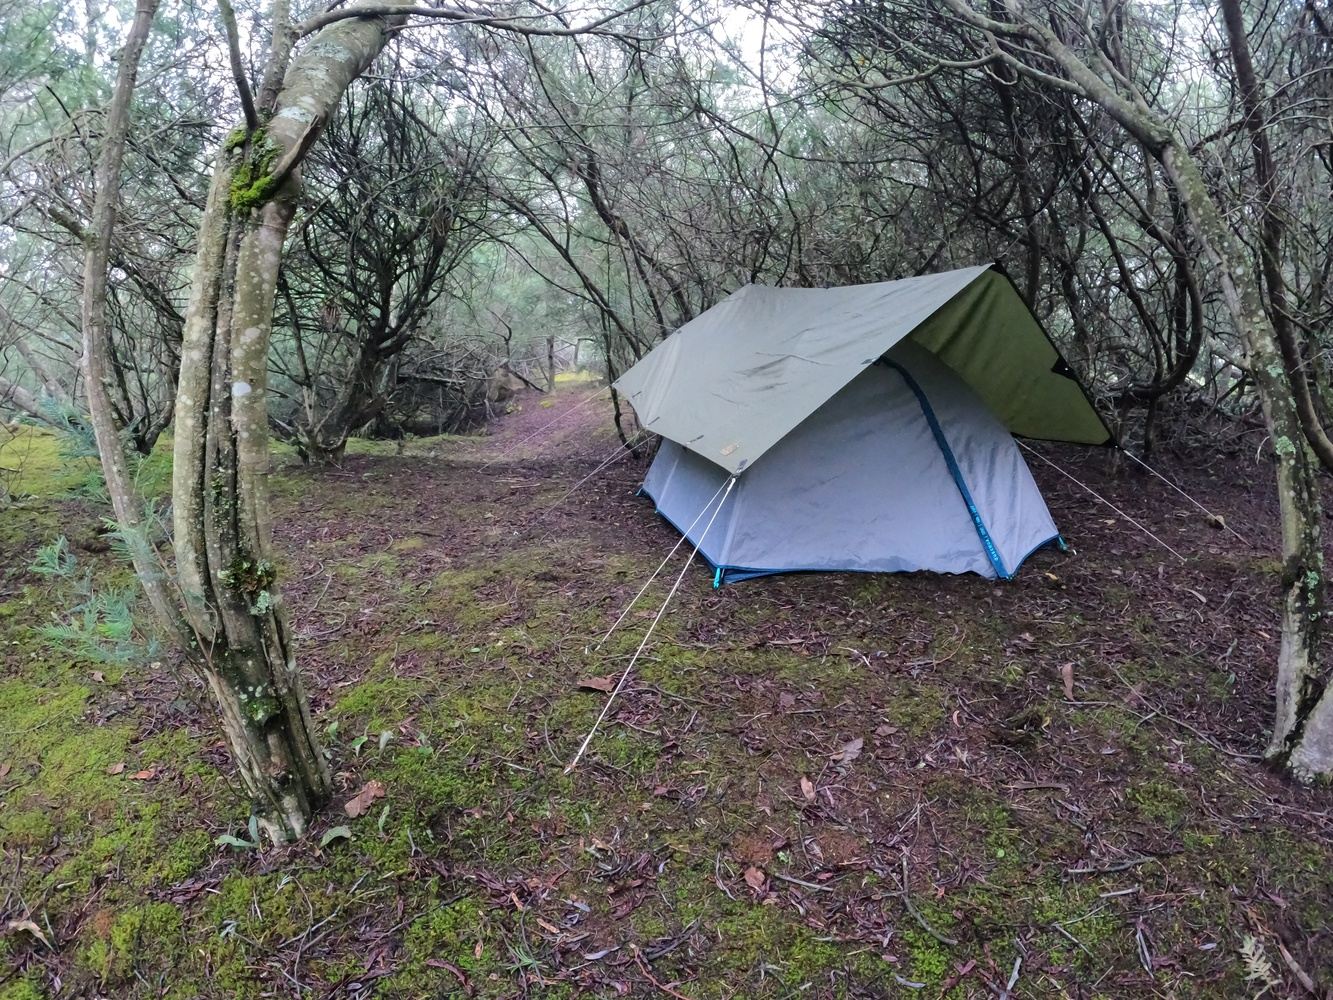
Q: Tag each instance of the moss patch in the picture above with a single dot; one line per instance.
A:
(252, 180)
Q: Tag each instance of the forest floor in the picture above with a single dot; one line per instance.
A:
(814, 785)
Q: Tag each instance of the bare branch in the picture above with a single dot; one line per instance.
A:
(486, 19)
(237, 67)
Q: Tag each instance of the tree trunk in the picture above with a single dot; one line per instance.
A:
(50, 384)
(96, 361)
(321, 433)
(1271, 228)
(222, 522)
(1302, 737)
(321, 447)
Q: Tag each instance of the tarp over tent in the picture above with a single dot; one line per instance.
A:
(906, 464)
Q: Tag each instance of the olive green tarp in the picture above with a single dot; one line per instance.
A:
(739, 377)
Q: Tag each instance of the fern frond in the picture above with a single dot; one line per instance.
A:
(54, 559)
(1258, 969)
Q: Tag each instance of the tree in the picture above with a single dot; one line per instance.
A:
(222, 604)
(52, 111)
(1302, 738)
(1257, 124)
(397, 200)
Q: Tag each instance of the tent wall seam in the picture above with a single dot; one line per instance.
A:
(992, 553)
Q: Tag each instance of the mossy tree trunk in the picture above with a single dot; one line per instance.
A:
(222, 523)
(225, 609)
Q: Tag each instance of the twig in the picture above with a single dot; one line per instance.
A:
(1060, 930)
(643, 967)
(907, 901)
(1156, 709)
(1303, 977)
(1145, 956)
(1118, 866)
(1013, 976)
(802, 882)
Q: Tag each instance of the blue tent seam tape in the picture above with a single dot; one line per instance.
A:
(987, 543)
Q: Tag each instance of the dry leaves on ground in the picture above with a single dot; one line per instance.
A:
(360, 804)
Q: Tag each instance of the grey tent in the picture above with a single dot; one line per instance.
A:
(869, 427)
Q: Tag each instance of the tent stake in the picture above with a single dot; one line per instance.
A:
(1211, 515)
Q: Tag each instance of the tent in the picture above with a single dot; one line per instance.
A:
(868, 427)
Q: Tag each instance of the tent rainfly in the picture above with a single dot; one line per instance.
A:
(869, 427)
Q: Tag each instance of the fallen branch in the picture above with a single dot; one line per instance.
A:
(801, 882)
(1118, 866)
(1157, 710)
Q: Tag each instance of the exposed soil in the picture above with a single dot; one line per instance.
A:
(816, 785)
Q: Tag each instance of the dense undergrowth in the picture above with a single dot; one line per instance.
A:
(815, 786)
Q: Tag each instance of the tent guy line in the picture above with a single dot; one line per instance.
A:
(615, 455)
(1084, 486)
(624, 677)
(660, 566)
(1215, 517)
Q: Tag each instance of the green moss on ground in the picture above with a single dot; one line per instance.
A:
(35, 462)
(26, 988)
(376, 704)
(463, 933)
(137, 937)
